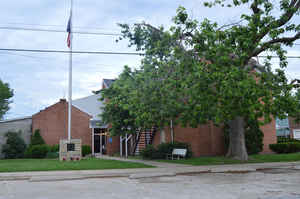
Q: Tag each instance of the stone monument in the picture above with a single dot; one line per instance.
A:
(70, 149)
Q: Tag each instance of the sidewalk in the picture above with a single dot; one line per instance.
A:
(163, 169)
(148, 162)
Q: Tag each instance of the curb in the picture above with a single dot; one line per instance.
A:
(140, 173)
(14, 178)
(236, 170)
(74, 177)
(52, 178)
(151, 175)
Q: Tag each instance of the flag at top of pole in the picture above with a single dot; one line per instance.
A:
(69, 30)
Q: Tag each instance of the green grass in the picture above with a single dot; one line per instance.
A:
(223, 160)
(18, 165)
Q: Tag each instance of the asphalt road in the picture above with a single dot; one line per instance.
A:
(265, 184)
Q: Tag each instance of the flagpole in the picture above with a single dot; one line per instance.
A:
(70, 75)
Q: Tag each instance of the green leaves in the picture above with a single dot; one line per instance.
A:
(195, 72)
(5, 94)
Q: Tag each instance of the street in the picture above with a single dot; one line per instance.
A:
(265, 184)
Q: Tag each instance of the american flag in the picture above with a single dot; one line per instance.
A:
(69, 32)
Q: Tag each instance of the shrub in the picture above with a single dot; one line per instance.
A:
(36, 138)
(167, 148)
(281, 139)
(15, 145)
(86, 149)
(54, 148)
(149, 152)
(37, 151)
(253, 137)
(52, 155)
(288, 147)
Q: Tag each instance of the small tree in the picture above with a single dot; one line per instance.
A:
(37, 147)
(5, 94)
(15, 145)
(36, 138)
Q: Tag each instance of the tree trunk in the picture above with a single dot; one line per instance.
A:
(237, 147)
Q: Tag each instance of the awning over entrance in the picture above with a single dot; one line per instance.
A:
(97, 124)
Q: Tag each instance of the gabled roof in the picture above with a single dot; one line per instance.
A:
(108, 82)
(90, 105)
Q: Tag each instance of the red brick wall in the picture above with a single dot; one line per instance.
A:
(269, 131)
(53, 124)
(208, 140)
(114, 146)
(293, 125)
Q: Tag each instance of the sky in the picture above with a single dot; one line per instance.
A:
(41, 79)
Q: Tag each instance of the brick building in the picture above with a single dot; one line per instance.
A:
(294, 128)
(206, 140)
(53, 124)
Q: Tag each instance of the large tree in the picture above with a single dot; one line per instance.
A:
(195, 72)
(5, 94)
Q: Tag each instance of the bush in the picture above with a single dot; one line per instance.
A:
(167, 148)
(253, 137)
(54, 148)
(37, 151)
(15, 146)
(288, 147)
(281, 139)
(36, 138)
(52, 155)
(86, 149)
(150, 152)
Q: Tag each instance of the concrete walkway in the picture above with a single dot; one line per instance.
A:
(148, 162)
(163, 169)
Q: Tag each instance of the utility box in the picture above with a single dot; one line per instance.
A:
(70, 149)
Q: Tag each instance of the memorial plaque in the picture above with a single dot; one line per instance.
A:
(71, 147)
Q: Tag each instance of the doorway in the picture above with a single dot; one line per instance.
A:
(100, 140)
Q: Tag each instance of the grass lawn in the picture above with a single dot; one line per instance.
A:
(252, 159)
(18, 165)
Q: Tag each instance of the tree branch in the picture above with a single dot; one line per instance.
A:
(293, 7)
(254, 7)
(231, 24)
(266, 45)
(289, 14)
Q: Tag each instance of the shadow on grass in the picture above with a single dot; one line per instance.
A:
(220, 160)
(19, 165)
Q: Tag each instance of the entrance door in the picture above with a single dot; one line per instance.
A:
(97, 143)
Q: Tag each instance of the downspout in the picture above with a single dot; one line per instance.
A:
(172, 131)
